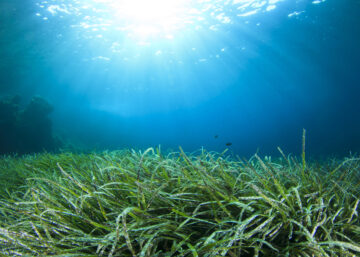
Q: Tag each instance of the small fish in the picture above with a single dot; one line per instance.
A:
(228, 144)
(216, 136)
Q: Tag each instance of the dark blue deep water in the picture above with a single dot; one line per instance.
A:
(192, 73)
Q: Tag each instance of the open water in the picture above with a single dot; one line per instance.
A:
(248, 75)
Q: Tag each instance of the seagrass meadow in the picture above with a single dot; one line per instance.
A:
(133, 203)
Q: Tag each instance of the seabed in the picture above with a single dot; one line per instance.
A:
(133, 203)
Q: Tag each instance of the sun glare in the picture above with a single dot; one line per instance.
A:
(149, 17)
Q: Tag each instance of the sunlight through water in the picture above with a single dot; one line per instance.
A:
(168, 42)
(127, 27)
(150, 18)
(155, 18)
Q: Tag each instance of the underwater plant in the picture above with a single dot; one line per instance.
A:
(128, 203)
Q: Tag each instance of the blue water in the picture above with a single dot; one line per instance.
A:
(198, 74)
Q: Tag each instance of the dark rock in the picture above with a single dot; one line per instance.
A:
(28, 130)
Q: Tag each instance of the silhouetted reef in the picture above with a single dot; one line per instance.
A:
(27, 129)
